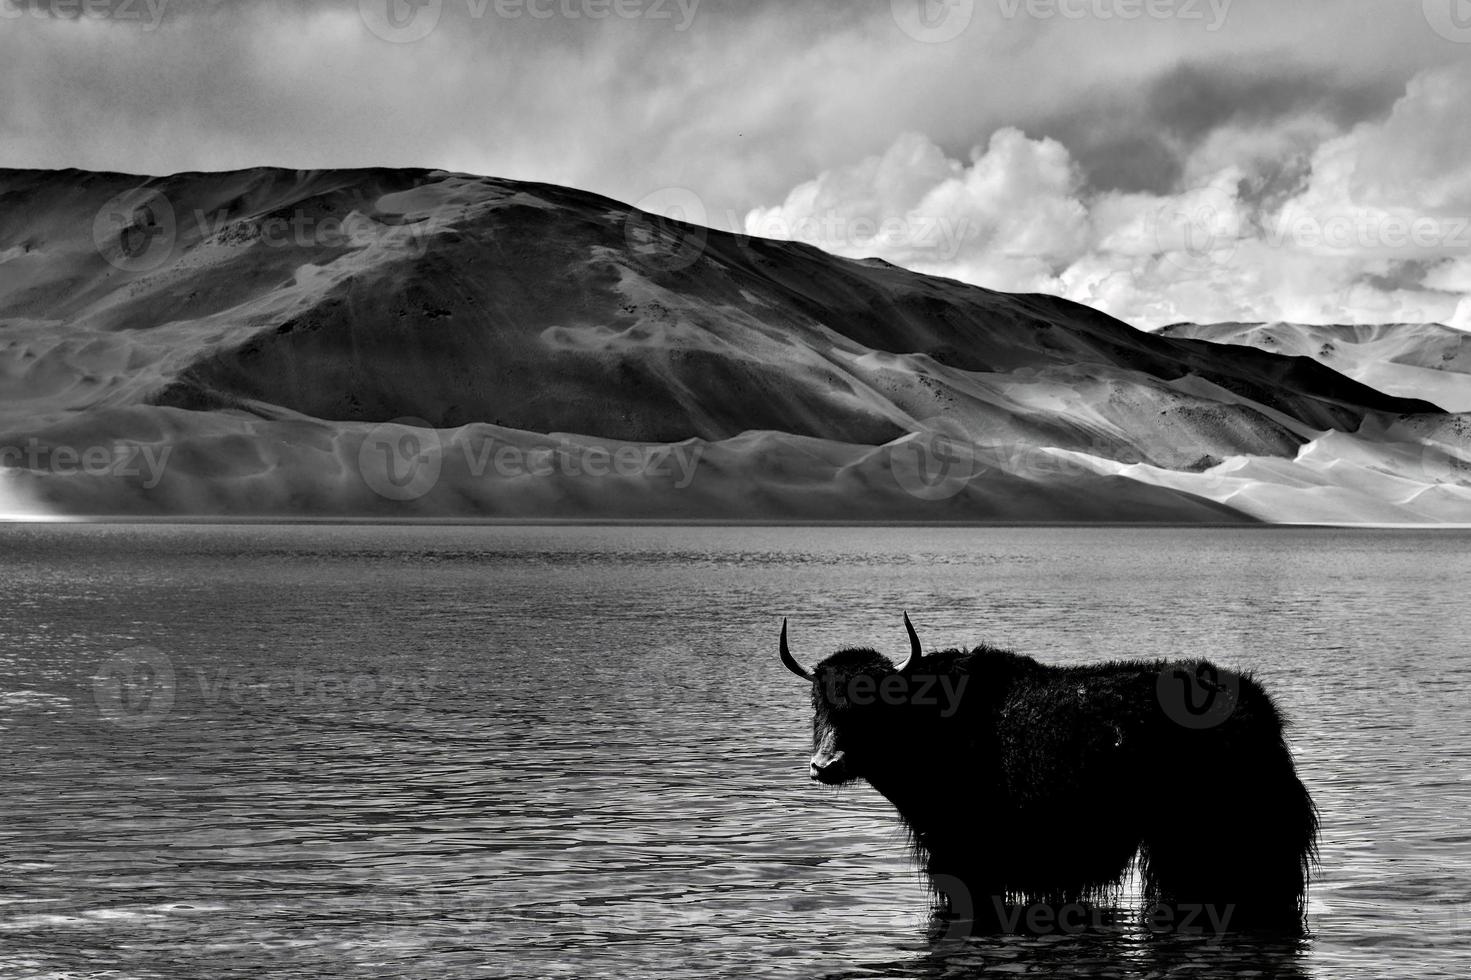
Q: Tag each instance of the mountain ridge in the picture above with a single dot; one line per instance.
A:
(1430, 359)
(347, 300)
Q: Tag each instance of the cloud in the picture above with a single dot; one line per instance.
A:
(1141, 136)
(1296, 217)
(1083, 127)
(747, 99)
(1013, 210)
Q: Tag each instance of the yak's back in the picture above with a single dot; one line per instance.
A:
(1074, 732)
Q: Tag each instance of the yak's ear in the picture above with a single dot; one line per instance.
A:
(915, 650)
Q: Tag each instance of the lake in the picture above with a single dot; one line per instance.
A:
(510, 751)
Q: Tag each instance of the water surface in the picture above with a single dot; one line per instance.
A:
(519, 751)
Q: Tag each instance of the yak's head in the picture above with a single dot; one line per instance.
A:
(859, 698)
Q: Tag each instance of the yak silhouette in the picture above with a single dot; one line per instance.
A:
(1023, 784)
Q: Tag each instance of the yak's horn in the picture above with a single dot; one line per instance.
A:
(788, 659)
(915, 650)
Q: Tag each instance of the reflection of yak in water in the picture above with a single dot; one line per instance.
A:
(1039, 785)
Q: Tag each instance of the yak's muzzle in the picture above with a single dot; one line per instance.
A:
(830, 768)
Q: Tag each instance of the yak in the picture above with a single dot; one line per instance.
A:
(1023, 784)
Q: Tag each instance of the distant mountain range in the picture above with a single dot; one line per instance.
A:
(1414, 360)
(416, 344)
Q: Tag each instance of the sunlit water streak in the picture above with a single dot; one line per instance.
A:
(513, 751)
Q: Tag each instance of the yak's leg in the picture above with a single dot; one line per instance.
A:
(973, 892)
(1038, 889)
(1078, 852)
(1233, 854)
(967, 896)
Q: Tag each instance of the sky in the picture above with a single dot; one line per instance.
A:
(1162, 160)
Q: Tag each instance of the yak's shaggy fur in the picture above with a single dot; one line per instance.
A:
(1042, 785)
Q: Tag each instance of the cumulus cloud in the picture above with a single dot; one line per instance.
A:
(1084, 126)
(1298, 218)
(1013, 210)
(739, 100)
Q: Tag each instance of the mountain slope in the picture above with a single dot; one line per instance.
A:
(267, 328)
(1413, 360)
